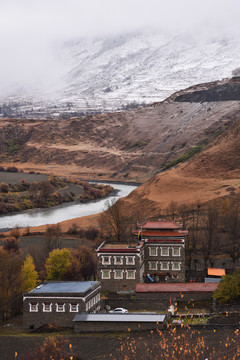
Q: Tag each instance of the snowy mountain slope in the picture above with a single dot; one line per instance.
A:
(104, 74)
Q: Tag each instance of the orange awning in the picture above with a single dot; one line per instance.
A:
(216, 272)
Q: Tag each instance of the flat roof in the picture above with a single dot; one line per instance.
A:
(175, 287)
(64, 287)
(133, 317)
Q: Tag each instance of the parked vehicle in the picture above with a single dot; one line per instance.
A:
(119, 311)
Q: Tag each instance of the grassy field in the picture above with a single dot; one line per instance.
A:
(14, 178)
(29, 242)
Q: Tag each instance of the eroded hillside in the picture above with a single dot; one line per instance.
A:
(212, 174)
(129, 146)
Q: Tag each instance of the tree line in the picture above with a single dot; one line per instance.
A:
(20, 272)
(213, 228)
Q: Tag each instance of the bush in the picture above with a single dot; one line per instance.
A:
(73, 230)
(4, 187)
(54, 347)
(194, 150)
(228, 290)
(56, 181)
(12, 147)
(92, 233)
(12, 169)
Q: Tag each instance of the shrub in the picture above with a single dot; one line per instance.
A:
(28, 204)
(11, 245)
(194, 150)
(56, 181)
(54, 347)
(91, 233)
(140, 143)
(228, 290)
(12, 169)
(4, 187)
(73, 230)
(12, 147)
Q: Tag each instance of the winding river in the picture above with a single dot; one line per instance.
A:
(61, 213)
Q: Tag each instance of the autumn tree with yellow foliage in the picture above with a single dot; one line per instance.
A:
(29, 275)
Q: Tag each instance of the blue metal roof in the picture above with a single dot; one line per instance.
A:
(64, 287)
(132, 317)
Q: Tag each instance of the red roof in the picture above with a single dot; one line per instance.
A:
(162, 233)
(118, 250)
(175, 287)
(120, 247)
(160, 225)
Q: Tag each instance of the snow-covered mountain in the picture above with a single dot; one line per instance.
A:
(112, 73)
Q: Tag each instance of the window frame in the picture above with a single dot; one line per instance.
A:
(71, 309)
(179, 266)
(106, 262)
(165, 247)
(118, 277)
(179, 250)
(151, 248)
(115, 260)
(150, 265)
(109, 274)
(58, 307)
(32, 307)
(130, 257)
(131, 277)
(164, 263)
(45, 307)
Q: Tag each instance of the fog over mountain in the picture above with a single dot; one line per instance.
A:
(70, 57)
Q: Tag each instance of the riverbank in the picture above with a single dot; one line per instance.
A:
(66, 215)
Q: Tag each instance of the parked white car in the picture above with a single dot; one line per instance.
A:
(119, 311)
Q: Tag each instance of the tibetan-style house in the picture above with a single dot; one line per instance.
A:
(156, 254)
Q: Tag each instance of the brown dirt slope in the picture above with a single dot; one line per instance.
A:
(129, 146)
(212, 174)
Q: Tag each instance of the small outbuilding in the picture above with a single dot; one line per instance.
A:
(57, 302)
(214, 275)
(118, 322)
(162, 294)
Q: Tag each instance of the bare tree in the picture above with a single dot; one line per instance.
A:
(52, 239)
(232, 228)
(114, 222)
(10, 280)
(210, 222)
(172, 210)
(11, 245)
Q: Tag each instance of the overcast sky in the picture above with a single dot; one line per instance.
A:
(59, 18)
(27, 27)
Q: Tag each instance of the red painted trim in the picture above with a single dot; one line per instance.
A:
(164, 240)
(118, 251)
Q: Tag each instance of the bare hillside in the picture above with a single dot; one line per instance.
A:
(212, 174)
(127, 146)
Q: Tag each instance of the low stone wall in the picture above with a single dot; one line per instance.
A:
(145, 303)
(152, 301)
